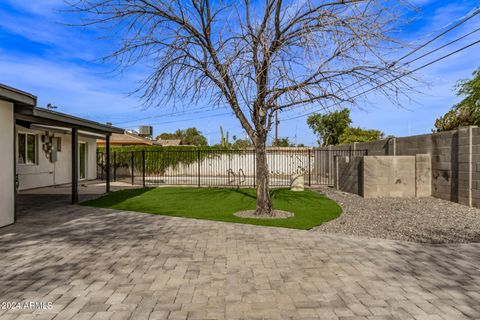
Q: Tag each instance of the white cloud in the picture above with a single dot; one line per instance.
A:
(42, 7)
(73, 89)
(47, 26)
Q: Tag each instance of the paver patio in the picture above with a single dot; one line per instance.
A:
(105, 264)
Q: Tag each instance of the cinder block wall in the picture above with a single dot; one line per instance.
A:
(349, 174)
(455, 160)
(476, 167)
(389, 176)
(384, 176)
(423, 175)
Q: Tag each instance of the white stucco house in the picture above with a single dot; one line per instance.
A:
(40, 147)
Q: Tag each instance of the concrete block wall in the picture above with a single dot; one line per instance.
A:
(476, 167)
(455, 160)
(444, 165)
(423, 175)
(388, 176)
(384, 176)
(464, 161)
(410, 146)
(349, 174)
(383, 147)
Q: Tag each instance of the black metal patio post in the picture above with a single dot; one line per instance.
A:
(309, 168)
(198, 167)
(74, 165)
(133, 168)
(107, 167)
(143, 168)
(114, 166)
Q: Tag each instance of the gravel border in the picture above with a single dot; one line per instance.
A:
(426, 220)
(278, 214)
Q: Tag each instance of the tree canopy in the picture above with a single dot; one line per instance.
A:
(334, 128)
(242, 143)
(329, 127)
(283, 142)
(467, 111)
(190, 136)
(351, 135)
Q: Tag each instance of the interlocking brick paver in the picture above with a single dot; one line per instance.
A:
(105, 264)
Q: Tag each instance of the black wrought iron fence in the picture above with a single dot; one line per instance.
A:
(220, 167)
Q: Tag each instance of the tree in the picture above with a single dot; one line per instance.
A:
(190, 136)
(334, 128)
(241, 143)
(351, 135)
(256, 56)
(283, 142)
(467, 112)
(329, 127)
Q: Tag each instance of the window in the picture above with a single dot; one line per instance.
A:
(27, 148)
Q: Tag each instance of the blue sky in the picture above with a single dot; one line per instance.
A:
(62, 65)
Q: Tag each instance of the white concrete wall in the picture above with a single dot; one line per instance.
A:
(45, 173)
(7, 178)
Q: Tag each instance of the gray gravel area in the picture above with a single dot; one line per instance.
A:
(428, 220)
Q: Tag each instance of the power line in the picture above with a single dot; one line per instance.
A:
(448, 24)
(468, 17)
(193, 111)
(473, 13)
(183, 120)
(394, 79)
(460, 22)
(441, 47)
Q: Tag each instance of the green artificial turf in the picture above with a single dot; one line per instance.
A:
(310, 208)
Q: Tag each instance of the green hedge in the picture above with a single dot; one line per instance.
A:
(157, 158)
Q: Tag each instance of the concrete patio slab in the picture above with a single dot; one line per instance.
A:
(92, 263)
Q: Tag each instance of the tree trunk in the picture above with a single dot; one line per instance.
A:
(264, 202)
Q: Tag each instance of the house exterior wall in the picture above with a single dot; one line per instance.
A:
(45, 173)
(7, 177)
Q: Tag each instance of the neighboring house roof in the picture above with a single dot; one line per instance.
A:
(168, 142)
(127, 139)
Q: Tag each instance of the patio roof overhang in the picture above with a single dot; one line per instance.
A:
(27, 114)
(52, 118)
(18, 97)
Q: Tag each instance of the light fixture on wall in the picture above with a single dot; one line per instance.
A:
(51, 145)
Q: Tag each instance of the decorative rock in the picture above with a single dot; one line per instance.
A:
(297, 182)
